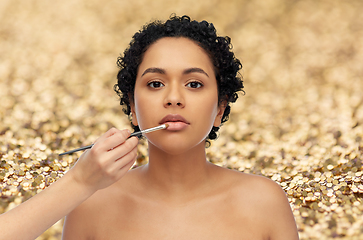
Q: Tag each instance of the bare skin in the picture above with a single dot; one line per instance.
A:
(131, 209)
(179, 194)
(109, 159)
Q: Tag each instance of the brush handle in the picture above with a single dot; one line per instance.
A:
(76, 150)
(135, 134)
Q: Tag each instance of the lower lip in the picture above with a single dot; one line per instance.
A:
(176, 126)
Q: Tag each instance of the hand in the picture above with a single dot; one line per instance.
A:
(107, 161)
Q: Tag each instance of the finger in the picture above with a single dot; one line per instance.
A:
(115, 139)
(125, 159)
(131, 158)
(119, 138)
(124, 163)
(122, 150)
(130, 164)
(119, 173)
(110, 133)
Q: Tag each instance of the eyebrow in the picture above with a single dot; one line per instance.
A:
(153, 70)
(185, 72)
(193, 70)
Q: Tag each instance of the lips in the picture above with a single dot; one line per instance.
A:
(175, 121)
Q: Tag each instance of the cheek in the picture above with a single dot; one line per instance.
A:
(140, 111)
(209, 106)
(206, 114)
(145, 111)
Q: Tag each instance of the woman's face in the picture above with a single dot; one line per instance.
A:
(176, 85)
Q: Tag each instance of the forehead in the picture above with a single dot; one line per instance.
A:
(176, 52)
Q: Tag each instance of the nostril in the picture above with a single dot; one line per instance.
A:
(179, 104)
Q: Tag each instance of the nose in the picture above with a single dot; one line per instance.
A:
(174, 96)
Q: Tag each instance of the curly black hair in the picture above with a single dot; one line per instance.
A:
(226, 65)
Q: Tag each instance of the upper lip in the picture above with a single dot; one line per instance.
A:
(173, 118)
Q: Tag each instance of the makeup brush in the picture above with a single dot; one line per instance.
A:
(135, 134)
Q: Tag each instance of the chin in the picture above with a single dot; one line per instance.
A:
(175, 147)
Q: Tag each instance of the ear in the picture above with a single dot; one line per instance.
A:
(133, 114)
(221, 107)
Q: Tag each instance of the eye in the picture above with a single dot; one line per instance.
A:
(194, 84)
(155, 84)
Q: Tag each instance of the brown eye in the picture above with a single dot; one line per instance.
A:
(155, 84)
(194, 84)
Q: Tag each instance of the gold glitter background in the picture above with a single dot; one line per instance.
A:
(300, 122)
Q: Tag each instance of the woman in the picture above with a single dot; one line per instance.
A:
(180, 73)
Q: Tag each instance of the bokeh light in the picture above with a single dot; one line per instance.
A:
(300, 122)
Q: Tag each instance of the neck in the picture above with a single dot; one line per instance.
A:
(177, 176)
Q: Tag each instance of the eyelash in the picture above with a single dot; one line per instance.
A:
(153, 82)
(197, 82)
(150, 84)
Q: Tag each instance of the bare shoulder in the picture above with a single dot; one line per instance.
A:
(257, 186)
(253, 189)
(263, 200)
(102, 207)
(260, 188)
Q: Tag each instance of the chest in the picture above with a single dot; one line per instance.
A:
(213, 219)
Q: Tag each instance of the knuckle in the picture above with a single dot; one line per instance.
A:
(99, 165)
(118, 139)
(125, 133)
(122, 135)
(128, 144)
(95, 151)
(111, 174)
(113, 129)
(108, 133)
(108, 173)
